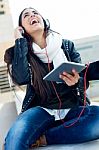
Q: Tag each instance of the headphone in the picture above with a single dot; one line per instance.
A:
(46, 24)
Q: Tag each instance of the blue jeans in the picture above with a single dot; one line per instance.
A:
(35, 122)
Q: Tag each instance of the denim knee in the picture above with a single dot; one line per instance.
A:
(16, 135)
(28, 127)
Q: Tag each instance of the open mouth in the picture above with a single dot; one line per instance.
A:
(33, 22)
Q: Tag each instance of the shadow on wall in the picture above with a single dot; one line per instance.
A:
(8, 114)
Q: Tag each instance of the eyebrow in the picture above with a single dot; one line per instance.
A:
(25, 13)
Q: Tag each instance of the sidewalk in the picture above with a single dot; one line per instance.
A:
(94, 145)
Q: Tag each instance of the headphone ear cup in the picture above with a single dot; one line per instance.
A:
(46, 24)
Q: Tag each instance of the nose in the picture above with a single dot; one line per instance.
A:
(32, 15)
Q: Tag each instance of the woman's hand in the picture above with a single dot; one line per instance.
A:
(18, 32)
(69, 79)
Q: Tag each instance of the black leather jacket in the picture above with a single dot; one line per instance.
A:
(22, 73)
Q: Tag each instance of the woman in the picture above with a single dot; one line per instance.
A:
(52, 113)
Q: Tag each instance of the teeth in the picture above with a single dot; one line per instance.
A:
(33, 21)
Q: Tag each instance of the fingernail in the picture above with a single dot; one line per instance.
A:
(60, 76)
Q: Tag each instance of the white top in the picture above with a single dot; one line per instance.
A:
(57, 113)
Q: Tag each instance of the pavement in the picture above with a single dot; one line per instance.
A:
(94, 145)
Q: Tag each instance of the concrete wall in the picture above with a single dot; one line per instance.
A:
(8, 115)
(6, 28)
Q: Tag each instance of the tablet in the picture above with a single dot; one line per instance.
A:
(67, 66)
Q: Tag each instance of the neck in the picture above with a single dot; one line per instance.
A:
(40, 40)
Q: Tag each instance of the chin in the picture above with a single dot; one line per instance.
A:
(38, 29)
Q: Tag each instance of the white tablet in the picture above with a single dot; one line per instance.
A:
(67, 66)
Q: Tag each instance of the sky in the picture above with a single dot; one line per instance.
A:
(74, 19)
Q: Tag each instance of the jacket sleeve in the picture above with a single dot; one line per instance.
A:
(93, 71)
(20, 65)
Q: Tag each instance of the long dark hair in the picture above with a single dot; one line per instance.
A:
(38, 68)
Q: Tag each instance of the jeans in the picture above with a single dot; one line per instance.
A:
(35, 122)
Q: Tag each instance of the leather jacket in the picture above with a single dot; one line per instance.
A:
(21, 70)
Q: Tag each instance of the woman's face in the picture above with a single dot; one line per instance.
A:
(32, 21)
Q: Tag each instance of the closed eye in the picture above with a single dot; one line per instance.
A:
(26, 14)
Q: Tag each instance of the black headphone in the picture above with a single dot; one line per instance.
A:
(46, 24)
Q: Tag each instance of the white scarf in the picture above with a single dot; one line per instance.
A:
(53, 49)
(55, 55)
